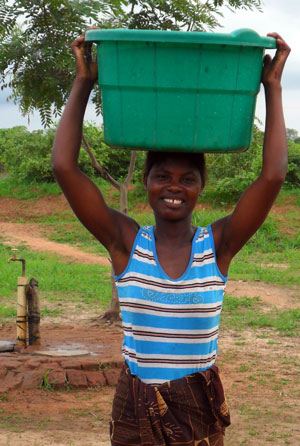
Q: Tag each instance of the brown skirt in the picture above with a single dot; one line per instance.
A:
(190, 411)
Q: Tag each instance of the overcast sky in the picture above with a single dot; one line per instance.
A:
(280, 16)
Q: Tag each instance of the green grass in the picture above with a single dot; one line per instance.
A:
(51, 312)
(289, 195)
(74, 234)
(254, 268)
(22, 191)
(240, 313)
(7, 311)
(57, 279)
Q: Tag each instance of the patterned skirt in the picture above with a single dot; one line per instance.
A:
(190, 411)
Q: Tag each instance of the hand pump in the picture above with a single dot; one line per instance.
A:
(22, 304)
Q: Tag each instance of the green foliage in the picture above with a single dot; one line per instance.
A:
(35, 58)
(188, 15)
(293, 173)
(231, 173)
(291, 134)
(45, 383)
(26, 156)
(116, 162)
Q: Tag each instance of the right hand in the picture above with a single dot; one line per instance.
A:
(86, 67)
(273, 68)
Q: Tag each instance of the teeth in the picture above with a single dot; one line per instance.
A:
(169, 200)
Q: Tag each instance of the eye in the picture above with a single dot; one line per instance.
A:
(189, 180)
(161, 176)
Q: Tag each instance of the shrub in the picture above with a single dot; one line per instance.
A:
(26, 156)
(232, 173)
(293, 173)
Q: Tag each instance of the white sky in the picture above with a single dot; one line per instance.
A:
(278, 15)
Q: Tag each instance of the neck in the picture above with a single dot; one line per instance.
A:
(177, 232)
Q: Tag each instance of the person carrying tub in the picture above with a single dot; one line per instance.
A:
(171, 276)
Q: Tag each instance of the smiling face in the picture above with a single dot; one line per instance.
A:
(173, 187)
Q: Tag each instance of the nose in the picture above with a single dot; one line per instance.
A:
(174, 185)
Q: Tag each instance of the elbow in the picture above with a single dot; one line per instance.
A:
(276, 175)
(277, 178)
(57, 165)
(61, 164)
(61, 170)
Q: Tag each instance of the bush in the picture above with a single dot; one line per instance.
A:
(232, 173)
(293, 173)
(26, 156)
(115, 161)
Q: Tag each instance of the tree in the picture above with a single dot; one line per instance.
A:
(35, 58)
(293, 174)
(291, 134)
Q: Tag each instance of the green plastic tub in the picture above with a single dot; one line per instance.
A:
(179, 91)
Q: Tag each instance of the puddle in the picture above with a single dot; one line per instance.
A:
(7, 346)
(74, 349)
(62, 352)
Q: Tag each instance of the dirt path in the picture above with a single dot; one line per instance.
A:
(19, 233)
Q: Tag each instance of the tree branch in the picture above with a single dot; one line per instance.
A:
(103, 172)
(131, 168)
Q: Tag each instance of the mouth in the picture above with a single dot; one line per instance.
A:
(173, 201)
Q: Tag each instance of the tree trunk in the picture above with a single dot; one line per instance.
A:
(123, 198)
(112, 314)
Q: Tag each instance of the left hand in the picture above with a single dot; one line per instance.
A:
(273, 68)
(86, 67)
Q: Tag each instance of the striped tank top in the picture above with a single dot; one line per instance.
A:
(170, 325)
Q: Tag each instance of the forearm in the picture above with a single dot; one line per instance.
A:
(275, 142)
(69, 132)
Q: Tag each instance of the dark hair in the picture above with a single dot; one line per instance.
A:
(197, 159)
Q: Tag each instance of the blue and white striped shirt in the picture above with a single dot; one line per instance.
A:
(170, 325)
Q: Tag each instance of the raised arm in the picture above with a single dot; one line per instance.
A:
(233, 231)
(113, 229)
